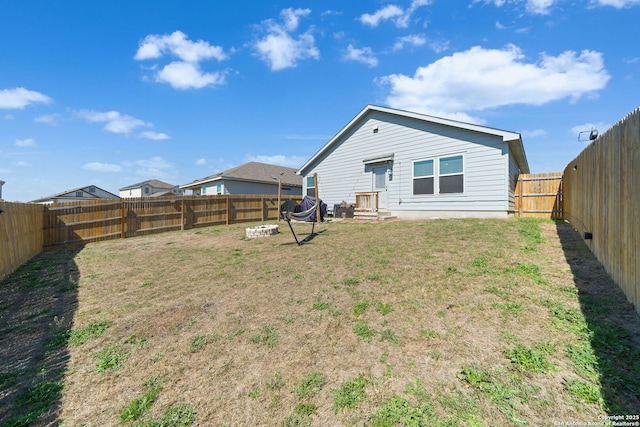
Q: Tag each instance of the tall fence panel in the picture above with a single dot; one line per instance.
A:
(539, 195)
(20, 235)
(602, 198)
(104, 219)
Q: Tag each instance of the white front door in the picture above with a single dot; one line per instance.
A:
(380, 186)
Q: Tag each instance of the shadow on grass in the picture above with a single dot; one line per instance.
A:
(612, 327)
(37, 305)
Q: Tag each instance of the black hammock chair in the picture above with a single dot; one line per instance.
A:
(293, 211)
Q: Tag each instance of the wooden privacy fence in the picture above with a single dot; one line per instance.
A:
(20, 234)
(602, 197)
(121, 218)
(539, 195)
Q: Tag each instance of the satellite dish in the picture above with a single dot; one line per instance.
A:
(593, 134)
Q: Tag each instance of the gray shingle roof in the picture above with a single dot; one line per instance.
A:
(256, 172)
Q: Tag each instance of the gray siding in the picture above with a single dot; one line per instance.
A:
(342, 174)
(240, 187)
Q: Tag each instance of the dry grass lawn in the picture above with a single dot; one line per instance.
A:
(444, 322)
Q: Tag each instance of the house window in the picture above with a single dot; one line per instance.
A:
(92, 189)
(451, 176)
(219, 188)
(146, 190)
(380, 175)
(203, 190)
(79, 193)
(311, 186)
(423, 177)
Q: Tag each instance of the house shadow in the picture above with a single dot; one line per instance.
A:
(38, 302)
(612, 322)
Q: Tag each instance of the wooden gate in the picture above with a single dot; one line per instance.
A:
(539, 195)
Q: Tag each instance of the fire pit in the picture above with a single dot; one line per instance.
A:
(262, 231)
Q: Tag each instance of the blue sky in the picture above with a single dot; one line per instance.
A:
(115, 93)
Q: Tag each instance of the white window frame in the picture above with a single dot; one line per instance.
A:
(437, 175)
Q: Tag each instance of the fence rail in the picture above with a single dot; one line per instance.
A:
(602, 198)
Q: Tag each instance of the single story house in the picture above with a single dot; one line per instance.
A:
(249, 178)
(90, 192)
(151, 188)
(418, 166)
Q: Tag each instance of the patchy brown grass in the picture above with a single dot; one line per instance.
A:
(216, 319)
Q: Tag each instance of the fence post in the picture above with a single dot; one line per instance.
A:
(228, 196)
(123, 220)
(182, 214)
(520, 183)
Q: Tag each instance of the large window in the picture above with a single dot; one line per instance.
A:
(423, 178)
(446, 178)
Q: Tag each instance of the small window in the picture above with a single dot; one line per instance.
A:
(203, 190)
(219, 188)
(311, 186)
(147, 190)
(451, 175)
(92, 189)
(423, 178)
(79, 193)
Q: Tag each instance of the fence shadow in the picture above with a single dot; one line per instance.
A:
(38, 302)
(612, 322)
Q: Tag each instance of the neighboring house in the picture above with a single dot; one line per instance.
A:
(150, 188)
(90, 192)
(249, 178)
(419, 166)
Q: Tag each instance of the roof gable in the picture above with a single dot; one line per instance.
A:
(513, 139)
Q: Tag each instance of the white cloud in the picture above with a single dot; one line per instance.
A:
(618, 4)
(291, 17)
(201, 162)
(156, 136)
(413, 40)
(396, 14)
(535, 133)
(479, 79)
(154, 162)
(364, 55)
(20, 97)
(51, 119)
(386, 13)
(278, 159)
(185, 73)
(155, 46)
(8, 117)
(29, 142)
(22, 164)
(279, 48)
(101, 167)
(115, 122)
(536, 7)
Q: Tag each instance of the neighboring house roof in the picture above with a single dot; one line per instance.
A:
(253, 172)
(71, 194)
(513, 139)
(155, 183)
